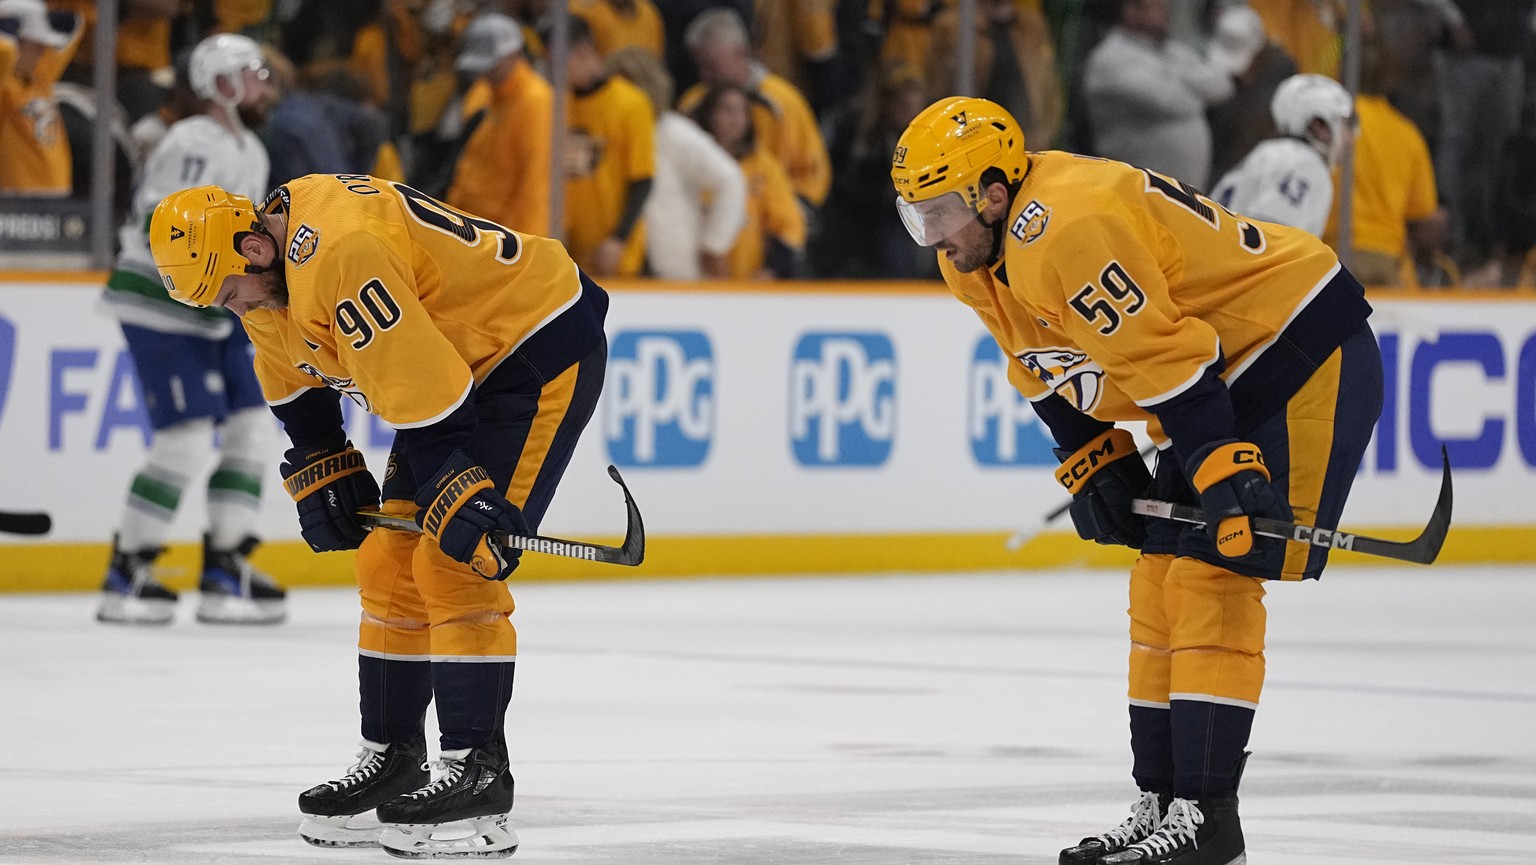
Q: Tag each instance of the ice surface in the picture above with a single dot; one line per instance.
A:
(966, 718)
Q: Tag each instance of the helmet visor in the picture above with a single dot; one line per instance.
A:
(933, 219)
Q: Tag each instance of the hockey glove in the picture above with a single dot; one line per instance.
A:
(460, 507)
(330, 484)
(1103, 477)
(1234, 486)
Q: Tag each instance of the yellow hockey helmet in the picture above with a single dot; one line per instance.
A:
(192, 239)
(940, 159)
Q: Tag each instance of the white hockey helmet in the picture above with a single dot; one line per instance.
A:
(1303, 98)
(225, 55)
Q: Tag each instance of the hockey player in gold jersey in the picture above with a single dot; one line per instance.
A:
(1124, 295)
(484, 348)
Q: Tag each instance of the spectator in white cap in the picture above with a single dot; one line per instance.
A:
(35, 46)
(503, 172)
(1240, 47)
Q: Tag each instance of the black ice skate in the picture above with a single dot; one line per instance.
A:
(1146, 814)
(382, 773)
(130, 594)
(461, 815)
(1195, 832)
(234, 592)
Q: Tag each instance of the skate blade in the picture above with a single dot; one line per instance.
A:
(477, 838)
(124, 610)
(334, 832)
(227, 610)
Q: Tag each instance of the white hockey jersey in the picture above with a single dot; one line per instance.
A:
(194, 152)
(1282, 180)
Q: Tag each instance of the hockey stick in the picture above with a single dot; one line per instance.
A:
(631, 552)
(1421, 550)
(1022, 536)
(25, 524)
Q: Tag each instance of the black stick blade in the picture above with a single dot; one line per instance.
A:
(25, 524)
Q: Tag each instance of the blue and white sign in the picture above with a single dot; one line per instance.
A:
(1000, 423)
(842, 399)
(660, 398)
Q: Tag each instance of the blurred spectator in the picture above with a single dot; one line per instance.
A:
(798, 40)
(785, 125)
(1240, 48)
(1148, 95)
(317, 130)
(34, 148)
(1482, 83)
(610, 160)
(1308, 30)
(143, 49)
(861, 234)
(1394, 184)
(194, 366)
(906, 28)
(773, 242)
(619, 24)
(503, 173)
(180, 102)
(699, 194)
(1015, 63)
(1428, 264)
(676, 15)
(1515, 212)
(1289, 179)
(1409, 35)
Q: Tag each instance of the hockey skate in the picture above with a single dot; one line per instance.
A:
(460, 815)
(130, 594)
(234, 592)
(1146, 814)
(382, 772)
(1194, 832)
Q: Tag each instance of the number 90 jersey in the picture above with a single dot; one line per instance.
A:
(1119, 287)
(404, 304)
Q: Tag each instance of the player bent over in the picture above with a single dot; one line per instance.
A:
(484, 349)
(1124, 295)
(194, 366)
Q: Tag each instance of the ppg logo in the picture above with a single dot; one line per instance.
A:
(1001, 425)
(842, 399)
(661, 398)
(7, 358)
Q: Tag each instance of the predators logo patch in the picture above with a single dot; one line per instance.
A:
(1031, 222)
(1069, 373)
(303, 245)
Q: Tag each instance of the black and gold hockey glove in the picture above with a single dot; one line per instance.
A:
(1104, 476)
(330, 483)
(460, 507)
(1234, 486)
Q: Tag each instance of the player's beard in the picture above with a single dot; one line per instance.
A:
(274, 284)
(253, 116)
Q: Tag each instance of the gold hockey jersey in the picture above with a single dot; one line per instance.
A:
(1119, 287)
(405, 304)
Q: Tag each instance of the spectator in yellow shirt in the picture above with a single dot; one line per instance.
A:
(503, 172)
(610, 160)
(786, 126)
(772, 243)
(1394, 191)
(619, 24)
(34, 150)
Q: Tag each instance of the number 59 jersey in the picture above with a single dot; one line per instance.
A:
(404, 304)
(1119, 287)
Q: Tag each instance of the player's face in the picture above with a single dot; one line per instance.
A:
(969, 248)
(241, 294)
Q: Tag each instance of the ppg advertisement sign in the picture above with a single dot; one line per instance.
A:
(842, 399)
(1001, 425)
(660, 398)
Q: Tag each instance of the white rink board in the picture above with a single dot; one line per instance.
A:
(790, 413)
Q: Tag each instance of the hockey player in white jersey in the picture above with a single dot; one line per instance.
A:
(194, 366)
(1289, 179)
